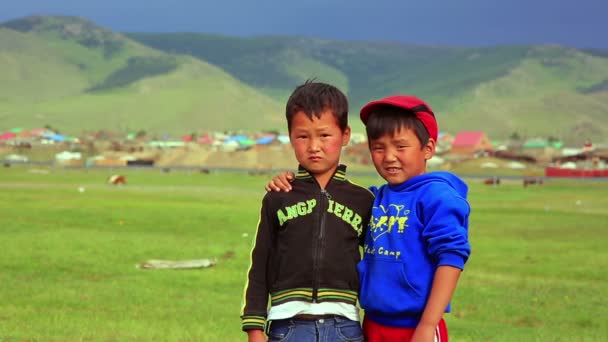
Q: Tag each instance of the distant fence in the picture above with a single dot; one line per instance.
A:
(576, 173)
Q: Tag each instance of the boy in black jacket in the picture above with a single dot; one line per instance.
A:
(307, 243)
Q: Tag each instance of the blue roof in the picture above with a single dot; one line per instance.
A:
(54, 136)
(236, 138)
(264, 140)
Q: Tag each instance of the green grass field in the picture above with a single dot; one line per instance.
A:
(67, 265)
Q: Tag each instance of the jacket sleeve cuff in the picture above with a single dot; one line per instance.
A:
(253, 322)
(452, 259)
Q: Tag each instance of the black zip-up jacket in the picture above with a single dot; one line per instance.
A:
(307, 245)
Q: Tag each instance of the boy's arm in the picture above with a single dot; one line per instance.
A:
(446, 229)
(444, 284)
(256, 336)
(281, 182)
(255, 304)
(446, 220)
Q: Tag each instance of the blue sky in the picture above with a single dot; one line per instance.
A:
(576, 23)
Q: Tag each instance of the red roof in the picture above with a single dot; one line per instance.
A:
(463, 139)
(8, 135)
(207, 140)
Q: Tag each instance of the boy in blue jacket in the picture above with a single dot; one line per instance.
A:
(417, 241)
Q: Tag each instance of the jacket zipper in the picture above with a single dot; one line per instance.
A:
(320, 244)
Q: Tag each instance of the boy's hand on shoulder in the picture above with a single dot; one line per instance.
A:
(424, 333)
(281, 182)
(256, 336)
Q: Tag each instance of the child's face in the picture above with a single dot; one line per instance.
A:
(399, 157)
(317, 143)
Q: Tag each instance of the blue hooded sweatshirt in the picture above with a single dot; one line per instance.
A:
(416, 226)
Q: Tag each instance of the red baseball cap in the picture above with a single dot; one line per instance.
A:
(423, 111)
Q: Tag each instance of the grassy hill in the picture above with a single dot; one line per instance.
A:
(29, 71)
(73, 75)
(500, 90)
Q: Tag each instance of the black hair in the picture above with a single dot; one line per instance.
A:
(387, 119)
(313, 98)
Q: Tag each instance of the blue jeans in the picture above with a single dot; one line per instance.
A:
(322, 330)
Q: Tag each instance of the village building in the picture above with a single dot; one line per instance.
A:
(542, 150)
(471, 143)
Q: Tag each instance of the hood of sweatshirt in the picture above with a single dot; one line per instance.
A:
(430, 177)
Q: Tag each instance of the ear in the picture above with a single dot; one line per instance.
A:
(429, 149)
(346, 136)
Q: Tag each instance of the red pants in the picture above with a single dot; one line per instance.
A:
(374, 332)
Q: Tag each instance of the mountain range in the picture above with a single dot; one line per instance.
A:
(73, 75)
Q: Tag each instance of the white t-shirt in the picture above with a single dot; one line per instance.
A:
(290, 309)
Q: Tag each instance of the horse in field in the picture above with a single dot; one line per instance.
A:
(117, 180)
(491, 181)
(532, 181)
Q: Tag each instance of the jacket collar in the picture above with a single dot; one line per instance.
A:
(339, 175)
